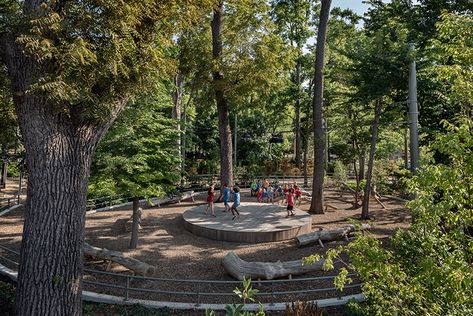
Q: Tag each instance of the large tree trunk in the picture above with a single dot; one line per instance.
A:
(136, 223)
(58, 159)
(317, 205)
(59, 148)
(226, 162)
(298, 115)
(374, 138)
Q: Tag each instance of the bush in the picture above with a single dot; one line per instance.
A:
(429, 270)
(340, 172)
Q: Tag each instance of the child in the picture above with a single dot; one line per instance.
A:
(254, 188)
(270, 194)
(298, 194)
(259, 195)
(226, 196)
(285, 191)
(210, 200)
(236, 201)
(265, 194)
(290, 202)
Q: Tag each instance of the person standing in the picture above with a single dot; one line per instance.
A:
(226, 196)
(210, 200)
(236, 202)
(290, 202)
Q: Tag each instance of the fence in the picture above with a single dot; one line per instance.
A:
(202, 291)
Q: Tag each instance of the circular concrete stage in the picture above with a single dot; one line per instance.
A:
(257, 223)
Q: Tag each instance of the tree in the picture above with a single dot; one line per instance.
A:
(226, 151)
(73, 66)
(137, 157)
(252, 64)
(317, 204)
(293, 21)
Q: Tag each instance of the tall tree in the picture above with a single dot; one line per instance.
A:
(226, 150)
(293, 21)
(317, 204)
(73, 65)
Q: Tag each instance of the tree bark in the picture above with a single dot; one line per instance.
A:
(176, 110)
(317, 205)
(59, 148)
(226, 160)
(374, 137)
(361, 163)
(136, 223)
(298, 115)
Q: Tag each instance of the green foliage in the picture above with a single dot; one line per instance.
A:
(7, 299)
(92, 54)
(340, 172)
(245, 294)
(429, 269)
(137, 157)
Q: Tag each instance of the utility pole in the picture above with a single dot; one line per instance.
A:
(413, 112)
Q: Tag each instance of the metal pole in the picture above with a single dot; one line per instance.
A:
(413, 112)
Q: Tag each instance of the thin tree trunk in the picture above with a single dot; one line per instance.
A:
(374, 138)
(298, 115)
(357, 181)
(136, 223)
(183, 141)
(306, 148)
(361, 163)
(317, 205)
(226, 161)
(176, 110)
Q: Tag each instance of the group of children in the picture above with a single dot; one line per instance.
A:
(264, 193)
(226, 199)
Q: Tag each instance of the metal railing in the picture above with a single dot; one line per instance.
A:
(128, 285)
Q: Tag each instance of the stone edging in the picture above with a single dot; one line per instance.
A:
(118, 300)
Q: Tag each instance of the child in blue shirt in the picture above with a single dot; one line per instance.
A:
(236, 202)
(226, 196)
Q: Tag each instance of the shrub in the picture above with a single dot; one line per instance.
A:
(429, 269)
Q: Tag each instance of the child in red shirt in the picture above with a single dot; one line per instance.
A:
(290, 202)
(259, 195)
(210, 200)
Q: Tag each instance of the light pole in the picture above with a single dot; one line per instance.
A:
(413, 112)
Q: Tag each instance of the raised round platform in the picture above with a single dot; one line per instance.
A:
(257, 223)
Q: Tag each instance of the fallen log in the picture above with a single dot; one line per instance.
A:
(133, 264)
(240, 269)
(328, 235)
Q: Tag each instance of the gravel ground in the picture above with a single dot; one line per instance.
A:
(179, 254)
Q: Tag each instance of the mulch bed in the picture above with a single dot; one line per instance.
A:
(178, 254)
